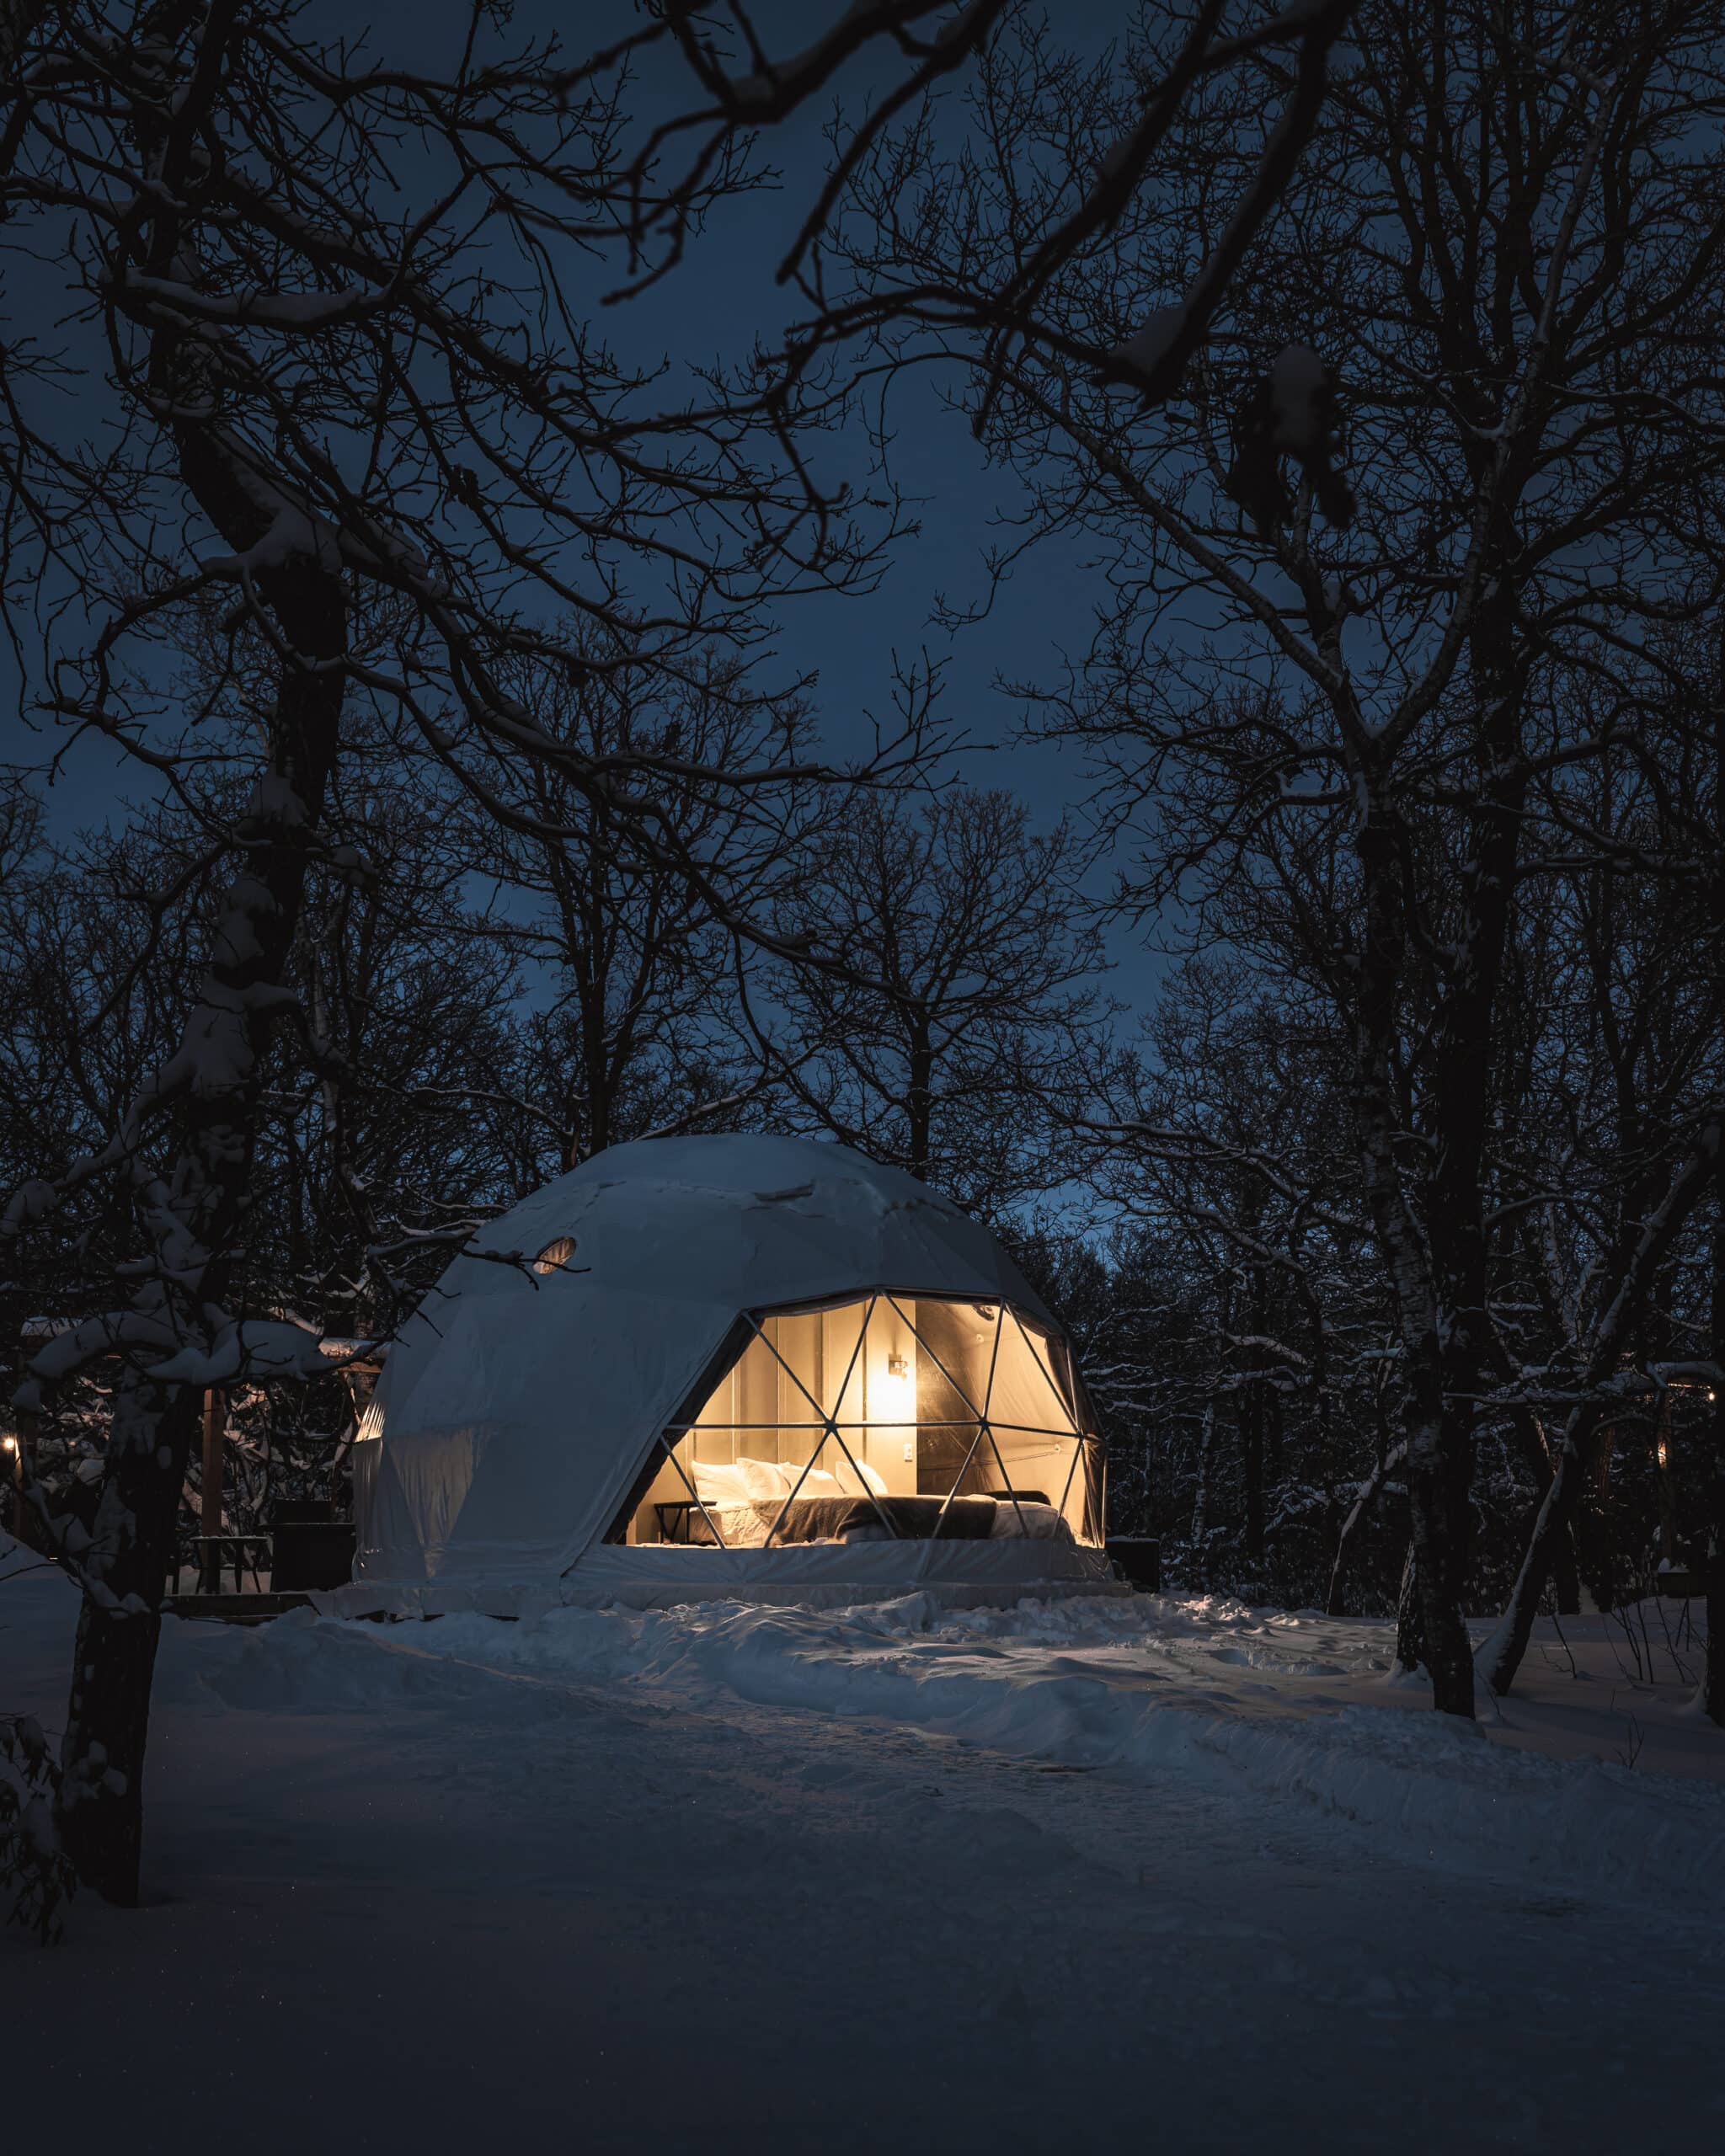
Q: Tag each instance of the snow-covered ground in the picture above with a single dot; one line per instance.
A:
(891, 1877)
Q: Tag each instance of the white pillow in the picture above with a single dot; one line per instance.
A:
(876, 1481)
(718, 1483)
(763, 1480)
(818, 1483)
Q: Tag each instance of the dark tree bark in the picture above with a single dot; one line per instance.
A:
(1713, 1686)
(1364, 1498)
(1200, 1501)
(1252, 1427)
(155, 1427)
(1410, 1617)
(1566, 1577)
(1439, 1438)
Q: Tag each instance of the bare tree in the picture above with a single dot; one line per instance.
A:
(304, 380)
(960, 1010)
(1494, 243)
(627, 963)
(330, 395)
(1225, 1135)
(385, 1120)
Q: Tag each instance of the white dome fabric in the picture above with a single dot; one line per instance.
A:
(516, 1410)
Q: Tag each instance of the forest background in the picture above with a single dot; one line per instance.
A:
(1131, 624)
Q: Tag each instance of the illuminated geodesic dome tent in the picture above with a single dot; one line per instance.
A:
(727, 1365)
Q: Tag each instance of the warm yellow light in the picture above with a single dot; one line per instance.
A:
(1664, 1456)
(11, 1444)
(893, 1398)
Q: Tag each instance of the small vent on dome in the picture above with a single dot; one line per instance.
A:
(555, 1256)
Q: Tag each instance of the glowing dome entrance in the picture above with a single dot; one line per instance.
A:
(697, 1367)
(895, 1416)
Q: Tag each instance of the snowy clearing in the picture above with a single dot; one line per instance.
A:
(897, 1876)
(1575, 1791)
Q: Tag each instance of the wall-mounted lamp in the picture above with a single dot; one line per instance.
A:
(897, 1367)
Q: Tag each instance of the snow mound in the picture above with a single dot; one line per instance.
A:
(1292, 1707)
(302, 1664)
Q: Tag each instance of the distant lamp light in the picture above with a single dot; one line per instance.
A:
(1664, 1454)
(897, 1367)
(555, 1256)
(9, 1444)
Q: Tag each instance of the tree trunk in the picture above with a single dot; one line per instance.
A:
(1713, 1684)
(1589, 1537)
(1251, 1430)
(1536, 1457)
(1503, 1652)
(207, 1099)
(194, 1214)
(100, 1805)
(1565, 1575)
(1437, 1492)
(210, 1507)
(1252, 1462)
(1435, 1473)
(1200, 1501)
(1460, 1354)
(101, 1820)
(1362, 1503)
(1713, 1681)
(1410, 1624)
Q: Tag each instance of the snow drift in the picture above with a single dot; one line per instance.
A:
(1293, 1706)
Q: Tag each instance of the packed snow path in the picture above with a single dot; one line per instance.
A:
(431, 1888)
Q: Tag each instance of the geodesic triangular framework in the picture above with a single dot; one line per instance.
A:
(881, 1417)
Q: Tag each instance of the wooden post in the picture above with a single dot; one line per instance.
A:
(210, 1509)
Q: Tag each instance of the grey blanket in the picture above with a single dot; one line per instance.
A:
(825, 1520)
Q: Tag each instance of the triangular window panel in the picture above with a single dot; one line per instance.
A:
(952, 1346)
(1024, 1394)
